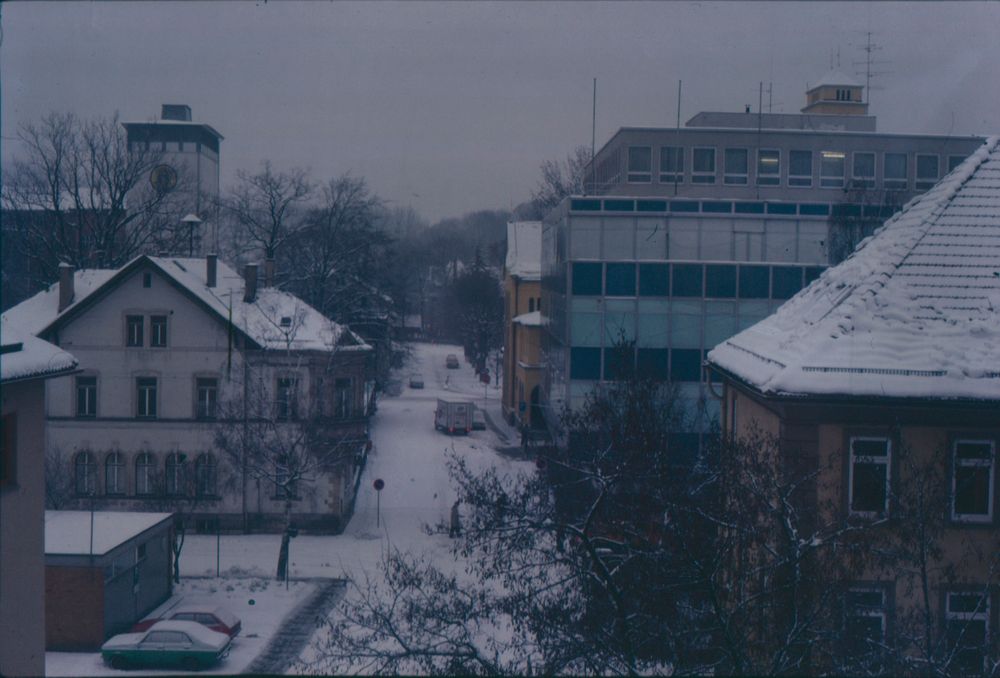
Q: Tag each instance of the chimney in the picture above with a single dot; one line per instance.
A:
(250, 279)
(65, 285)
(269, 272)
(211, 263)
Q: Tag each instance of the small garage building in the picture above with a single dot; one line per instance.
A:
(104, 571)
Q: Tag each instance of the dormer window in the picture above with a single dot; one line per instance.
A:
(286, 321)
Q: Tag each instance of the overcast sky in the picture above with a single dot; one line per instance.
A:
(450, 107)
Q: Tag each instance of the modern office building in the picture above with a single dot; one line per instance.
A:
(689, 235)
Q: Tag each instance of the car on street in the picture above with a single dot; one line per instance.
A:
(416, 381)
(214, 617)
(184, 644)
(478, 420)
(451, 361)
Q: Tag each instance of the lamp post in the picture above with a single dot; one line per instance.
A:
(191, 221)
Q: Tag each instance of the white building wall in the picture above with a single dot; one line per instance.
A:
(197, 346)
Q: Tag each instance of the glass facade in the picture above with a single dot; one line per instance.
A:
(670, 286)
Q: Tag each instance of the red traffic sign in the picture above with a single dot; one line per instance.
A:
(484, 377)
(378, 484)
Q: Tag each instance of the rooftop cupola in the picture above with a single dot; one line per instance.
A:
(836, 94)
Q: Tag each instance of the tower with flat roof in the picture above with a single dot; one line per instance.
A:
(190, 163)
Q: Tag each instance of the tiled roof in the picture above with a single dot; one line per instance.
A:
(914, 312)
(262, 320)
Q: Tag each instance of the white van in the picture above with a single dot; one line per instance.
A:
(453, 416)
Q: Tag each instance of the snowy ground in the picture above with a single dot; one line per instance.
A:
(409, 455)
(261, 604)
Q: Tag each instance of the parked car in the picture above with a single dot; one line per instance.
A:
(214, 617)
(186, 644)
(416, 381)
(478, 420)
(451, 361)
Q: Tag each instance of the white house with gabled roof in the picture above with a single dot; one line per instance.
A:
(184, 365)
(883, 374)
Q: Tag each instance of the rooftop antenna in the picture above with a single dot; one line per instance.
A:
(677, 133)
(593, 142)
(869, 48)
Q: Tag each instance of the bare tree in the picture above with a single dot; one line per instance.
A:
(265, 205)
(560, 179)
(78, 194)
(337, 257)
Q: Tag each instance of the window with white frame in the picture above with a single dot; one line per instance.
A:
(768, 167)
(928, 171)
(972, 480)
(800, 168)
(831, 169)
(205, 475)
(86, 396)
(866, 616)
(175, 474)
(894, 171)
(736, 169)
(863, 170)
(671, 164)
(967, 626)
(286, 402)
(114, 473)
(703, 166)
(133, 330)
(869, 476)
(145, 393)
(145, 472)
(158, 331)
(207, 397)
(343, 398)
(85, 474)
(640, 164)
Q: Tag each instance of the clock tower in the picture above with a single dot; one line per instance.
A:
(187, 149)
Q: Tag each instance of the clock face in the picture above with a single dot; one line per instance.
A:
(163, 178)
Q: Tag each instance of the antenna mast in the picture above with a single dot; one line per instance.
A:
(869, 48)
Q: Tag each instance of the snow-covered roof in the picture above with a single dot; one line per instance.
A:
(533, 319)
(914, 312)
(263, 320)
(835, 78)
(68, 532)
(27, 357)
(524, 249)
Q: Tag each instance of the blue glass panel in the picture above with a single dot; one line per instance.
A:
(584, 363)
(587, 278)
(585, 205)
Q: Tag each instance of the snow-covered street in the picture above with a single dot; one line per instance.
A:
(409, 455)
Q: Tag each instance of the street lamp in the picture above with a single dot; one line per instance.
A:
(191, 221)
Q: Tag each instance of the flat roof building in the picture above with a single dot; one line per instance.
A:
(689, 235)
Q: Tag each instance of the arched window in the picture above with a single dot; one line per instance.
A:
(175, 473)
(86, 474)
(145, 468)
(204, 474)
(114, 473)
